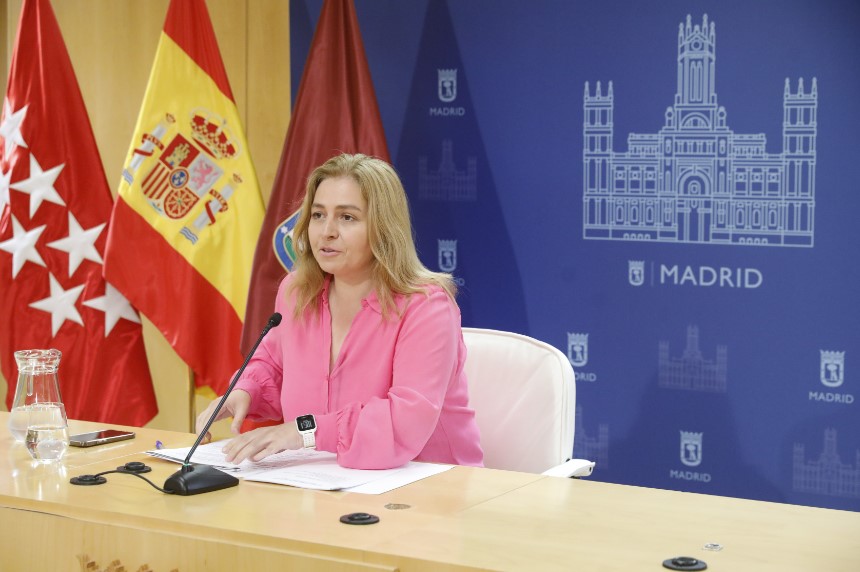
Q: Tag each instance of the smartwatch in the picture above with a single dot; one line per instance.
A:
(307, 426)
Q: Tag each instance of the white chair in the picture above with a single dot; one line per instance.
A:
(523, 392)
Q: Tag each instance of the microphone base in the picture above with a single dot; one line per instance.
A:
(197, 479)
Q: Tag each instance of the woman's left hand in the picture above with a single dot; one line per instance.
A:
(260, 443)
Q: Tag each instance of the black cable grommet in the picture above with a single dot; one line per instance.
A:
(134, 467)
(359, 518)
(88, 480)
(684, 563)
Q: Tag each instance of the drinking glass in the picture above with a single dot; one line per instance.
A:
(47, 432)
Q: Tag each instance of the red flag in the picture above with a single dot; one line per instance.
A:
(189, 209)
(55, 209)
(335, 112)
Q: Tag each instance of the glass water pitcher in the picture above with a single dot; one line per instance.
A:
(38, 417)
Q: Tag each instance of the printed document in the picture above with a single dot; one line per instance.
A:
(306, 469)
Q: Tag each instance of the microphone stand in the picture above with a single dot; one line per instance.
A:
(194, 479)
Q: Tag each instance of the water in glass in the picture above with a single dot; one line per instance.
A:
(47, 435)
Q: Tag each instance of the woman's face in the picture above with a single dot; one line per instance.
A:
(338, 230)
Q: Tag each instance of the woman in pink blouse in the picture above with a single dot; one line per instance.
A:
(368, 361)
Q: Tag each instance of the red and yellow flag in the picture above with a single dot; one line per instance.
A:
(55, 204)
(189, 208)
(335, 112)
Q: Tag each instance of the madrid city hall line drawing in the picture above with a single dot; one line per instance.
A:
(697, 181)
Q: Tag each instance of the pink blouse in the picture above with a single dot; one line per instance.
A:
(396, 393)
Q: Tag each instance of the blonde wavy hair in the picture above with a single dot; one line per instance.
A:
(396, 266)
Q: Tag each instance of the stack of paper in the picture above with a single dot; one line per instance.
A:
(305, 469)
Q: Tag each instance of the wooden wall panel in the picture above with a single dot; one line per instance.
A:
(268, 96)
(112, 46)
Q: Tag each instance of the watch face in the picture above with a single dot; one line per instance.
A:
(306, 423)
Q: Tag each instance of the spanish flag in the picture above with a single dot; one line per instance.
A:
(189, 210)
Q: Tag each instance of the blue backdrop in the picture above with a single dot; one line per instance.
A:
(664, 190)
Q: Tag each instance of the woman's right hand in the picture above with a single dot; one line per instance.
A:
(236, 406)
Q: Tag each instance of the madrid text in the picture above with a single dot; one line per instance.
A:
(722, 277)
(690, 476)
(447, 111)
(585, 376)
(828, 397)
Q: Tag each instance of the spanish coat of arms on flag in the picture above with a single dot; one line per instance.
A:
(189, 209)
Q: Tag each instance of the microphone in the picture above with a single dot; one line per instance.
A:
(195, 479)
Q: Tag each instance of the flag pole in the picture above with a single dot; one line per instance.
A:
(192, 400)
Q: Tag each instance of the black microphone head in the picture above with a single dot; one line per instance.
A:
(274, 320)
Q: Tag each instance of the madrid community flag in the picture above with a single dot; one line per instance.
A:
(55, 204)
(189, 209)
(335, 112)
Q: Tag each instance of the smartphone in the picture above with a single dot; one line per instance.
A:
(99, 437)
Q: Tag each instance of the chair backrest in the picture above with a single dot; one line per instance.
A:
(524, 395)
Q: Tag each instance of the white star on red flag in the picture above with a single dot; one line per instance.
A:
(22, 246)
(60, 304)
(4, 188)
(115, 306)
(10, 129)
(80, 244)
(40, 185)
